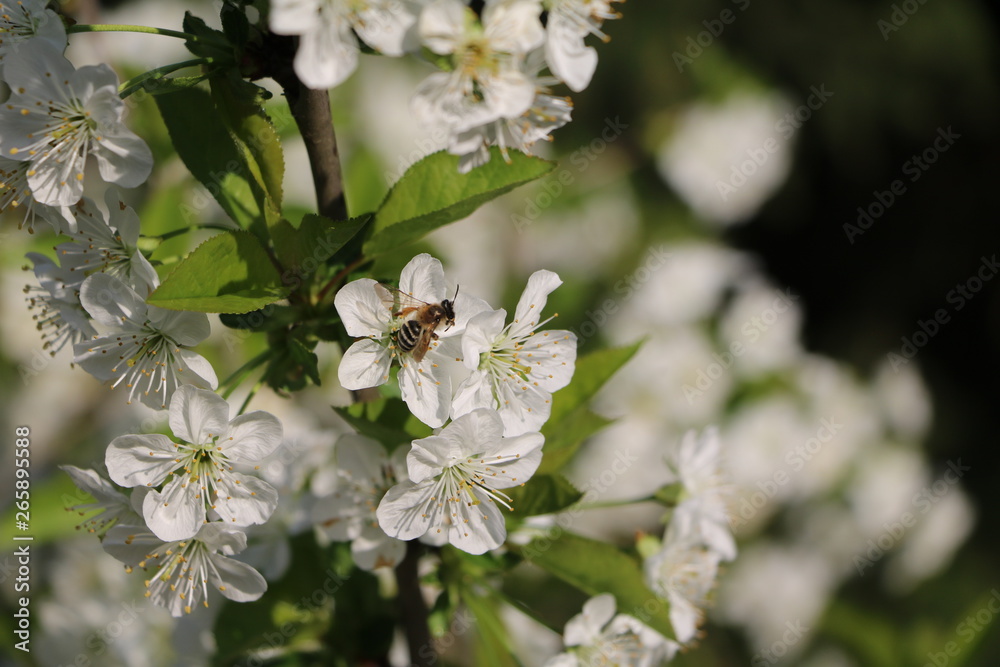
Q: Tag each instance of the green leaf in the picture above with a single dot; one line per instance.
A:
(316, 239)
(238, 102)
(432, 193)
(543, 494)
(391, 436)
(592, 371)
(280, 617)
(204, 144)
(493, 647)
(49, 520)
(229, 273)
(563, 438)
(597, 567)
(158, 84)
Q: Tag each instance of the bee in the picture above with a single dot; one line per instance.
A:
(422, 318)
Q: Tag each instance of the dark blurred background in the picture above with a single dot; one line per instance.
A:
(893, 90)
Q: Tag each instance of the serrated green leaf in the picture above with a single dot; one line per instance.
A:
(543, 494)
(228, 273)
(592, 371)
(204, 144)
(254, 135)
(316, 239)
(433, 193)
(563, 438)
(597, 567)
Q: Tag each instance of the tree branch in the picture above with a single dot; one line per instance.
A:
(413, 609)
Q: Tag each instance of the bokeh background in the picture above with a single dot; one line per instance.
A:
(710, 194)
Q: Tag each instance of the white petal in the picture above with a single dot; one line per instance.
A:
(360, 309)
(194, 369)
(568, 57)
(442, 25)
(523, 407)
(360, 458)
(182, 327)
(243, 500)
(383, 25)
(466, 307)
(507, 94)
(90, 482)
(109, 301)
(428, 457)
(140, 460)
(552, 358)
(528, 313)
(423, 278)
(481, 334)
(326, 57)
(475, 392)
(514, 26)
(478, 432)
(365, 364)
(426, 389)
(476, 529)
(527, 449)
(177, 512)
(252, 436)
(585, 627)
(197, 415)
(235, 580)
(130, 544)
(337, 518)
(293, 17)
(122, 157)
(407, 509)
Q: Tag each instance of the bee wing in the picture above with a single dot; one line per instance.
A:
(397, 301)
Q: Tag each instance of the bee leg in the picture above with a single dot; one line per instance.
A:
(434, 336)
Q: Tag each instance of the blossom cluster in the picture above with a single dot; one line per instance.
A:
(485, 384)
(497, 68)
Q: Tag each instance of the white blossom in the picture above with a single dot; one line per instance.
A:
(60, 316)
(15, 195)
(185, 569)
(198, 472)
(486, 82)
(364, 473)
(704, 508)
(58, 115)
(25, 20)
(108, 244)
(328, 49)
(455, 482)
(684, 572)
(145, 348)
(570, 21)
(596, 636)
(111, 505)
(545, 114)
(515, 368)
(425, 385)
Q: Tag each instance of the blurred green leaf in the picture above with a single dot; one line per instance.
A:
(229, 273)
(563, 438)
(314, 241)
(238, 102)
(597, 567)
(492, 643)
(432, 193)
(384, 420)
(592, 371)
(292, 611)
(204, 144)
(49, 519)
(543, 494)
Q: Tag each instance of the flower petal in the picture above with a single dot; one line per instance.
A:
(374, 549)
(110, 301)
(197, 415)
(252, 436)
(423, 278)
(235, 580)
(361, 310)
(242, 500)
(426, 390)
(177, 512)
(528, 313)
(365, 364)
(140, 460)
(407, 509)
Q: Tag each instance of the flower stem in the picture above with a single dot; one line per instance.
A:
(136, 82)
(413, 608)
(120, 27)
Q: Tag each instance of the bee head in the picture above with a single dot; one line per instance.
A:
(449, 310)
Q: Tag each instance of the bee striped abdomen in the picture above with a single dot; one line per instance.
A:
(408, 335)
